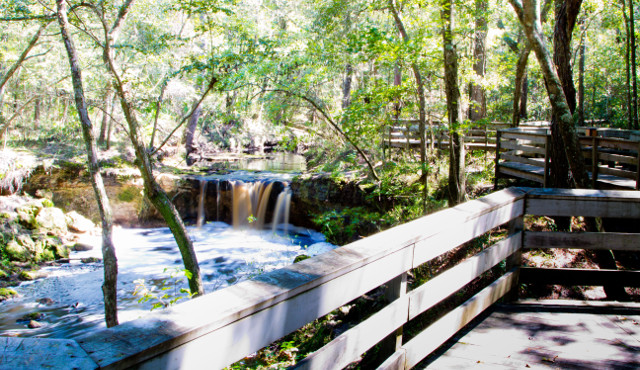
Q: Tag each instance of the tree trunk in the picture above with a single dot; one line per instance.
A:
(422, 110)
(634, 75)
(530, 19)
(519, 94)
(627, 55)
(477, 96)
(456, 184)
(524, 96)
(190, 132)
(156, 195)
(109, 287)
(581, 82)
(106, 102)
(346, 86)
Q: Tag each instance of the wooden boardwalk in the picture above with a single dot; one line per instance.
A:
(612, 162)
(546, 335)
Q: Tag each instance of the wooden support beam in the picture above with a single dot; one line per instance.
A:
(585, 277)
(581, 240)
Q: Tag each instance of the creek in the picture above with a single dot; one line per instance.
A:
(67, 302)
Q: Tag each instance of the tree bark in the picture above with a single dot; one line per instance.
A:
(477, 96)
(519, 93)
(105, 115)
(346, 86)
(530, 19)
(190, 131)
(109, 287)
(456, 185)
(581, 82)
(421, 107)
(634, 74)
(627, 56)
(156, 195)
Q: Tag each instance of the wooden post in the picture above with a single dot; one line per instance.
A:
(547, 158)
(497, 171)
(515, 260)
(396, 288)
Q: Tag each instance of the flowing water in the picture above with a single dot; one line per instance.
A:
(70, 297)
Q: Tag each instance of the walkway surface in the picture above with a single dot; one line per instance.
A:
(553, 334)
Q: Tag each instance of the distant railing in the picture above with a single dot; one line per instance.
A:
(612, 160)
(225, 326)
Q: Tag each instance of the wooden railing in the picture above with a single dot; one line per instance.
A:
(405, 135)
(612, 161)
(223, 327)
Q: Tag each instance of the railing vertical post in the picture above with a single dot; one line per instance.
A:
(515, 260)
(547, 158)
(396, 289)
(497, 170)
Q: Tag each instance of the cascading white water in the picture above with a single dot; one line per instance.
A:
(201, 198)
(281, 211)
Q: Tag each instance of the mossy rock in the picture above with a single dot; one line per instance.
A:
(54, 246)
(17, 252)
(129, 194)
(25, 275)
(27, 215)
(51, 220)
(3, 274)
(6, 293)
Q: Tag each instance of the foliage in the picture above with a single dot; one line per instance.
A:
(164, 292)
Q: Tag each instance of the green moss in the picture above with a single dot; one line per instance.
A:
(129, 194)
(6, 293)
(301, 257)
(47, 203)
(26, 275)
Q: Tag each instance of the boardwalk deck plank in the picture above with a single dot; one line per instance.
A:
(545, 339)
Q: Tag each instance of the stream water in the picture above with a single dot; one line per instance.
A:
(70, 297)
(68, 301)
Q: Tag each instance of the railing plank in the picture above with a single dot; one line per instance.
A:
(443, 329)
(454, 226)
(395, 361)
(617, 172)
(582, 240)
(194, 325)
(583, 202)
(348, 347)
(538, 162)
(525, 148)
(445, 284)
(573, 276)
(627, 159)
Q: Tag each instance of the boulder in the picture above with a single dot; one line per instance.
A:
(82, 247)
(17, 252)
(34, 324)
(27, 215)
(78, 223)
(51, 220)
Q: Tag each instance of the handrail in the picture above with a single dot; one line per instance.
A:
(222, 327)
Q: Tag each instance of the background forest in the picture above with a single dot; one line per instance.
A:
(330, 75)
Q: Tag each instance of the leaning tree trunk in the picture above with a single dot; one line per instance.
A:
(156, 195)
(581, 82)
(530, 19)
(456, 184)
(109, 287)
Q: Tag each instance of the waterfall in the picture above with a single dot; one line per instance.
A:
(201, 198)
(217, 200)
(250, 203)
(283, 205)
